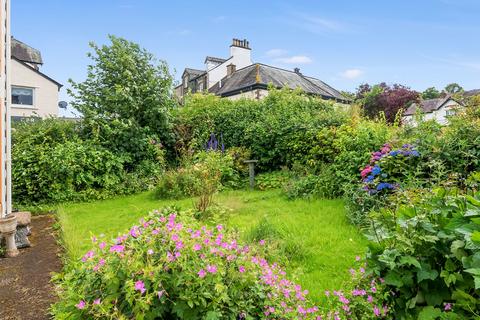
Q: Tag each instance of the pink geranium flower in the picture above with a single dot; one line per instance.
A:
(140, 286)
(81, 305)
(201, 273)
(117, 248)
(212, 268)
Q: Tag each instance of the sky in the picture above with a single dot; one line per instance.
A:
(345, 43)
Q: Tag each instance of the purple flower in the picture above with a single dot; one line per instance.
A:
(448, 307)
(201, 273)
(97, 301)
(241, 269)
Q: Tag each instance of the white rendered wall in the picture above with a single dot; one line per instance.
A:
(45, 96)
(240, 57)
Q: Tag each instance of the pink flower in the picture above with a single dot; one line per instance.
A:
(261, 242)
(174, 237)
(219, 227)
(370, 299)
(241, 269)
(327, 293)
(448, 307)
(376, 311)
(102, 245)
(212, 268)
(117, 248)
(80, 305)
(140, 286)
(357, 258)
(97, 301)
(197, 247)
(179, 245)
(201, 273)
(150, 251)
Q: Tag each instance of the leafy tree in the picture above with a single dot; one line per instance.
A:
(382, 98)
(453, 88)
(126, 100)
(431, 93)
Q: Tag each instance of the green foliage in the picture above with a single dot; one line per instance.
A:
(429, 256)
(276, 129)
(272, 180)
(431, 93)
(53, 164)
(453, 88)
(125, 101)
(171, 267)
(205, 174)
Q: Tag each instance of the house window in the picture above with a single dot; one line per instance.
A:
(451, 112)
(23, 96)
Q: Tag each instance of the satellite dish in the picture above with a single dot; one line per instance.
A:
(62, 105)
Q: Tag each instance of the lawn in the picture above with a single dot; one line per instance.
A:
(317, 243)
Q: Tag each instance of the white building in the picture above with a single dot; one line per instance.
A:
(433, 109)
(33, 92)
(238, 77)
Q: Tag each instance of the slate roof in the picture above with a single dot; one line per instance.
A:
(428, 106)
(261, 75)
(193, 72)
(25, 53)
(215, 59)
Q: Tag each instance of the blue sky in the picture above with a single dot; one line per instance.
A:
(419, 43)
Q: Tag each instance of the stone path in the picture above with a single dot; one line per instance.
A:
(25, 289)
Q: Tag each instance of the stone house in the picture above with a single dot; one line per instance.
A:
(238, 77)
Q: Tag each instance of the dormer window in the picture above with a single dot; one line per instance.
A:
(22, 96)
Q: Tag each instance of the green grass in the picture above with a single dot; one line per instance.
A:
(313, 236)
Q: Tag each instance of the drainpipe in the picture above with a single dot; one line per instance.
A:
(8, 222)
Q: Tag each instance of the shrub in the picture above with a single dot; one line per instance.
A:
(388, 171)
(429, 256)
(271, 180)
(207, 173)
(51, 163)
(276, 129)
(170, 267)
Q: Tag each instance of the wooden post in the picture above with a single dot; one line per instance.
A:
(251, 172)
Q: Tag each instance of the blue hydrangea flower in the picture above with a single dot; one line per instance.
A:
(376, 170)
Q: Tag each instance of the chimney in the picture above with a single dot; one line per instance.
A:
(231, 68)
(297, 71)
(240, 43)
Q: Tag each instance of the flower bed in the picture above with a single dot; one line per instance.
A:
(171, 267)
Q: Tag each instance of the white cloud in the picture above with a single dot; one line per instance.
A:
(351, 74)
(294, 60)
(274, 53)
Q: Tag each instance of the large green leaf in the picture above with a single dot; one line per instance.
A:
(429, 313)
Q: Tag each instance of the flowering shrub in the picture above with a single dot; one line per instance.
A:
(388, 168)
(365, 297)
(170, 267)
